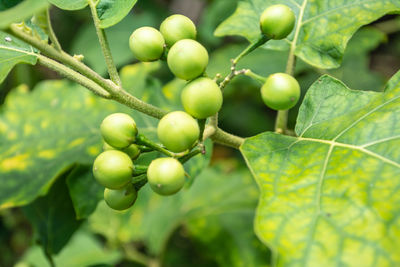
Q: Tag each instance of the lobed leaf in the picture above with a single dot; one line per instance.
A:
(331, 196)
(322, 30)
(12, 52)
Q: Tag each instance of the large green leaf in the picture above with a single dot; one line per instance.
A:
(44, 132)
(216, 198)
(12, 52)
(331, 196)
(53, 217)
(322, 30)
(21, 12)
(111, 12)
(69, 4)
(82, 250)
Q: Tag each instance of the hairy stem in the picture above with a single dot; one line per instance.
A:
(255, 76)
(52, 35)
(105, 48)
(73, 75)
(227, 139)
(261, 40)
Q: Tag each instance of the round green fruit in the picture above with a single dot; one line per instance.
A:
(113, 169)
(147, 44)
(177, 27)
(178, 131)
(201, 98)
(187, 59)
(120, 199)
(166, 176)
(277, 21)
(118, 130)
(280, 91)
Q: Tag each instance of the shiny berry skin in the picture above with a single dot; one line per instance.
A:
(280, 91)
(120, 199)
(166, 176)
(178, 131)
(147, 44)
(118, 130)
(177, 27)
(187, 59)
(113, 169)
(277, 21)
(132, 150)
(201, 98)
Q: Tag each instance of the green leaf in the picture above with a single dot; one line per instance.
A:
(84, 190)
(53, 217)
(217, 195)
(82, 250)
(12, 52)
(322, 30)
(45, 132)
(331, 196)
(69, 4)
(111, 12)
(21, 12)
(6, 4)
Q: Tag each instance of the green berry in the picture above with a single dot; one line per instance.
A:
(277, 21)
(166, 176)
(280, 91)
(177, 27)
(147, 44)
(132, 151)
(113, 169)
(202, 98)
(118, 130)
(187, 59)
(178, 131)
(120, 199)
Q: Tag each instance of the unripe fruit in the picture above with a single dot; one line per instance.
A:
(118, 130)
(120, 199)
(132, 151)
(201, 98)
(177, 27)
(277, 21)
(166, 176)
(113, 169)
(178, 131)
(280, 91)
(147, 44)
(187, 59)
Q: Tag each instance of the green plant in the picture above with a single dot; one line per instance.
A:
(202, 98)
(313, 184)
(113, 169)
(118, 130)
(147, 44)
(187, 59)
(120, 199)
(178, 131)
(177, 27)
(280, 91)
(277, 21)
(166, 176)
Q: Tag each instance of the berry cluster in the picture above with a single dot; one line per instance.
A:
(178, 131)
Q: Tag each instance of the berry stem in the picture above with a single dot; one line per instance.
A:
(112, 70)
(255, 76)
(251, 47)
(143, 140)
(52, 35)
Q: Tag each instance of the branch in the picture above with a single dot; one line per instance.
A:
(105, 48)
(52, 35)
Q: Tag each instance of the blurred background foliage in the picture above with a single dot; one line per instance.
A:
(212, 223)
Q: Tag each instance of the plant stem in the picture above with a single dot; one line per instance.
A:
(227, 139)
(191, 154)
(73, 75)
(251, 47)
(52, 35)
(132, 254)
(142, 140)
(112, 70)
(282, 116)
(255, 76)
